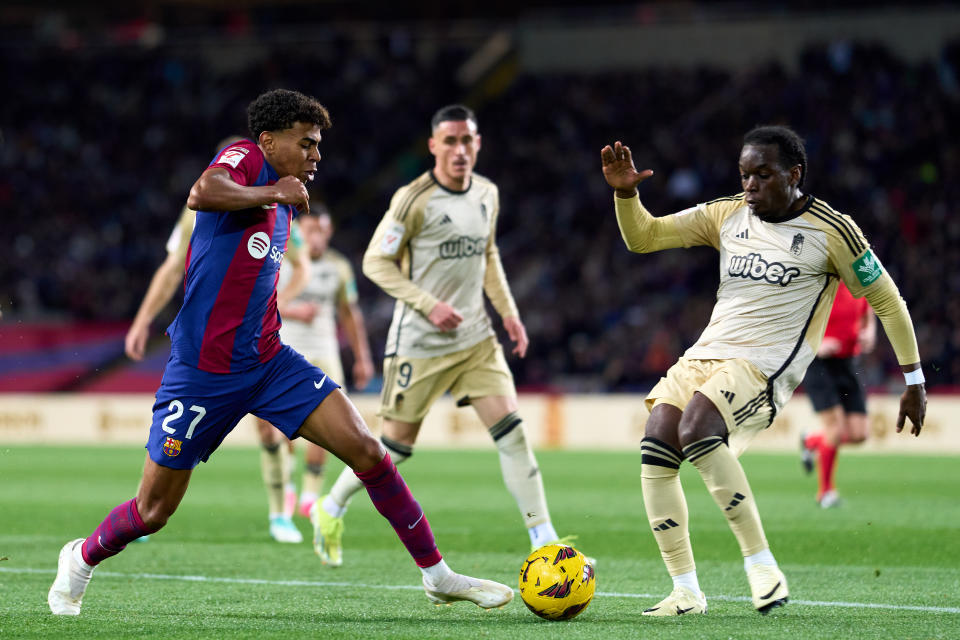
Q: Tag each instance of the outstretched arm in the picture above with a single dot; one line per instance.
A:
(642, 233)
(892, 311)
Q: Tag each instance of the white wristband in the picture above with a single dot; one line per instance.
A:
(914, 377)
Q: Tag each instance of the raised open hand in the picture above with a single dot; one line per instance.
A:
(619, 171)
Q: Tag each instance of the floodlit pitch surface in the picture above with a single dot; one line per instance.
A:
(885, 565)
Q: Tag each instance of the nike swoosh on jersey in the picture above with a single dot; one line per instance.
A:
(320, 384)
(411, 526)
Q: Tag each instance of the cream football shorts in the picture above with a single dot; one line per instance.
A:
(412, 385)
(737, 388)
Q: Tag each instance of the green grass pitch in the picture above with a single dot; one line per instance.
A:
(885, 565)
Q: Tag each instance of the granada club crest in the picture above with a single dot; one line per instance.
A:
(171, 447)
(797, 245)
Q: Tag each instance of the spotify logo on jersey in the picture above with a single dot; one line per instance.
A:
(258, 245)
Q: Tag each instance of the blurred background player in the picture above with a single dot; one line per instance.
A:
(166, 279)
(435, 252)
(835, 389)
(782, 252)
(227, 359)
(275, 461)
(310, 326)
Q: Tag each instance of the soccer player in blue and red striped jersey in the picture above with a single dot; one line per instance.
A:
(227, 360)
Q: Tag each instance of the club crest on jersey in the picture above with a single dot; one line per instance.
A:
(797, 245)
(171, 447)
(867, 268)
(753, 266)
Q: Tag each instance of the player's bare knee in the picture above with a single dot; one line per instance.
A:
(367, 454)
(693, 428)
(662, 424)
(700, 420)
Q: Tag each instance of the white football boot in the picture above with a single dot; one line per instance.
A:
(486, 594)
(681, 601)
(768, 587)
(71, 582)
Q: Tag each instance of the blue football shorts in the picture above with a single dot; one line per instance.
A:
(195, 410)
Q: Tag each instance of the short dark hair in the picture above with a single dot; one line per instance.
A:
(281, 108)
(788, 142)
(454, 113)
(318, 208)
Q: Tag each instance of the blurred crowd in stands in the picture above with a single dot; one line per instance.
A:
(100, 145)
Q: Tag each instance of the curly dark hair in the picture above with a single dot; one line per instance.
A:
(789, 143)
(279, 109)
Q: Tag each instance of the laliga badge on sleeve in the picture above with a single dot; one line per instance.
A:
(392, 237)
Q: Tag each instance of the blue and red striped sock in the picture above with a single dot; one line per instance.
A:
(394, 501)
(122, 525)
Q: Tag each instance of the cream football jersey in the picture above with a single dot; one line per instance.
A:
(444, 241)
(331, 282)
(777, 283)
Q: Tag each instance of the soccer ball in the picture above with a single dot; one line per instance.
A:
(557, 582)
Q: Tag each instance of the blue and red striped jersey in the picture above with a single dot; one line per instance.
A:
(229, 320)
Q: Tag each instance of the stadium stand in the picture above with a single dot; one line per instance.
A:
(97, 165)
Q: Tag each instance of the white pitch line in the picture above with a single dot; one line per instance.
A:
(403, 587)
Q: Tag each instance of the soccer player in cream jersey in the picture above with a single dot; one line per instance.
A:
(435, 252)
(782, 253)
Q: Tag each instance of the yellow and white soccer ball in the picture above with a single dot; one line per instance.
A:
(557, 582)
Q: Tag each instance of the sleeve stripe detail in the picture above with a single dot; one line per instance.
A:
(844, 220)
(847, 222)
(415, 192)
(739, 196)
(838, 223)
